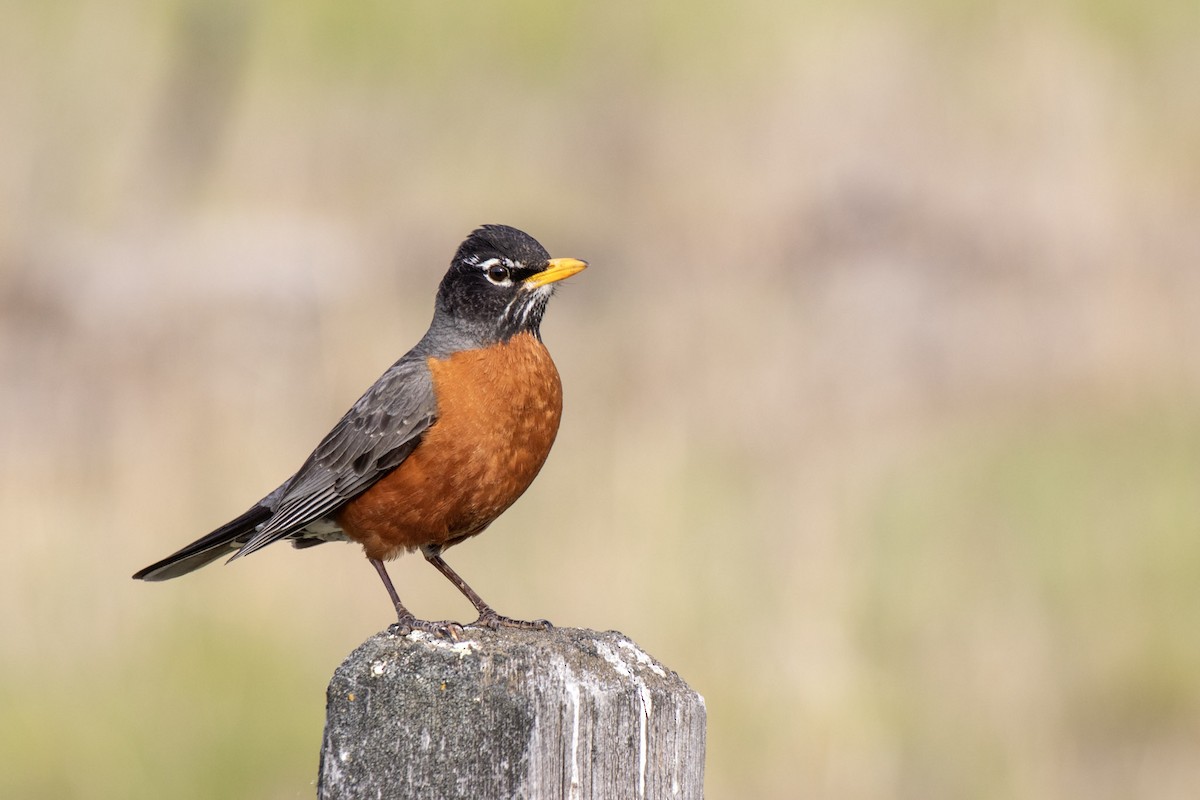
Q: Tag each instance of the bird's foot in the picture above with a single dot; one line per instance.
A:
(444, 629)
(492, 621)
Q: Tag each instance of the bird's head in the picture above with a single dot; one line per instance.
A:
(498, 285)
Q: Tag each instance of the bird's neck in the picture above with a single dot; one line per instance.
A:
(450, 334)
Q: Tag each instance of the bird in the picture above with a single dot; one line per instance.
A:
(439, 446)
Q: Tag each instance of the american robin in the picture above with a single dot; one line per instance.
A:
(446, 440)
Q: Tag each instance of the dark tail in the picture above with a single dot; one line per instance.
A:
(224, 541)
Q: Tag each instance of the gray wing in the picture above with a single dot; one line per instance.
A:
(372, 439)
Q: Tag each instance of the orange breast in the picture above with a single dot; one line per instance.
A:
(498, 414)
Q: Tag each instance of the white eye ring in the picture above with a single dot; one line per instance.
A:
(497, 271)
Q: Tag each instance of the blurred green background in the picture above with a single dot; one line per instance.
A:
(882, 419)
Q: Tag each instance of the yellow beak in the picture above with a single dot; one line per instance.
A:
(558, 269)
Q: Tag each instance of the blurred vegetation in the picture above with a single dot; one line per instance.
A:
(882, 394)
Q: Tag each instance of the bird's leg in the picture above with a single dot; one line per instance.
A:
(406, 622)
(488, 618)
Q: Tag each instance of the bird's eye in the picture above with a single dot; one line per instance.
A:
(498, 273)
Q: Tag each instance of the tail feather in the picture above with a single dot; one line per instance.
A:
(224, 541)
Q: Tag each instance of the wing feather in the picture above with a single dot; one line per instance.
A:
(374, 437)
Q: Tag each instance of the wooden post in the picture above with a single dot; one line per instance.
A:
(565, 713)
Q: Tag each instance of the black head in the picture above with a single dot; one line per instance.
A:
(498, 285)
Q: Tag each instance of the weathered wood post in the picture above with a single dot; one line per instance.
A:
(565, 713)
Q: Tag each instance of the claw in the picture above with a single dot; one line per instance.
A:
(399, 629)
(451, 630)
(445, 629)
